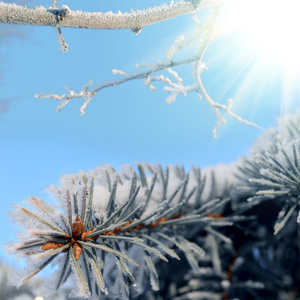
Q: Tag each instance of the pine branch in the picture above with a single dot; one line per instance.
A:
(91, 242)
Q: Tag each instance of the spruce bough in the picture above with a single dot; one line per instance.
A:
(149, 231)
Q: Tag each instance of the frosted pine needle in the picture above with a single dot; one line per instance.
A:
(106, 216)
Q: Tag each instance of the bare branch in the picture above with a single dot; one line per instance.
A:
(16, 14)
(145, 74)
(217, 107)
(206, 32)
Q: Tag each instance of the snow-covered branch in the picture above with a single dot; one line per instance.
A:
(85, 93)
(16, 14)
(146, 74)
(156, 72)
(216, 107)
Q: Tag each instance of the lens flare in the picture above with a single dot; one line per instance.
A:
(272, 28)
(262, 38)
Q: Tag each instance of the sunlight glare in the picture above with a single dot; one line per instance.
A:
(272, 27)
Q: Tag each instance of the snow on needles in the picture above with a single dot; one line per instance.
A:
(103, 218)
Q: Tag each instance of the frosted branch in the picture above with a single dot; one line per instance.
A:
(61, 40)
(16, 14)
(217, 107)
(174, 84)
(144, 74)
(88, 95)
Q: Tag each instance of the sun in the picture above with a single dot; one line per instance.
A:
(271, 27)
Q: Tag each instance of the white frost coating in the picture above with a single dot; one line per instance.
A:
(298, 218)
(78, 290)
(74, 183)
(176, 47)
(63, 46)
(19, 217)
(116, 71)
(16, 14)
(264, 141)
(18, 276)
(153, 275)
(283, 158)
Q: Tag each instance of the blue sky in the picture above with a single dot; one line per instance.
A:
(127, 123)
